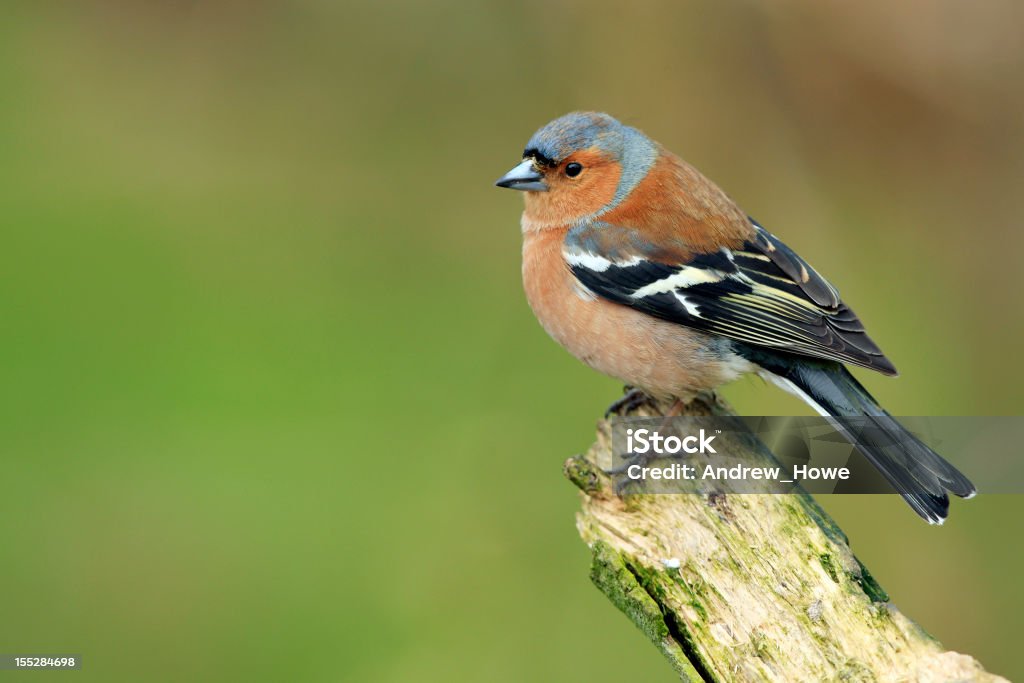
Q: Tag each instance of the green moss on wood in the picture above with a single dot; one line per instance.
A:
(683, 609)
(696, 593)
(829, 566)
(853, 671)
(760, 644)
(869, 585)
(581, 472)
(821, 518)
(620, 584)
(610, 574)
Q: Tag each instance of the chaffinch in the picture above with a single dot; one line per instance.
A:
(645, 270)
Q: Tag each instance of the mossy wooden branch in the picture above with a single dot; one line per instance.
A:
(748, 587)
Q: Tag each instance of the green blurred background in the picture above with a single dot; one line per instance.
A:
(274, 406)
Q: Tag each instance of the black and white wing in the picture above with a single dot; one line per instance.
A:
(761, 293)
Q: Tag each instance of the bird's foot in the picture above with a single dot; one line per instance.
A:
(628, 459)
(623, 482)
(630, 401)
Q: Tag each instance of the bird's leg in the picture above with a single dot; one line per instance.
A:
(634, 398)
(622, 462)
(631, 400)
(677, 408)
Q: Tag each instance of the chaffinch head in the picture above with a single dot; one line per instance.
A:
(645, 270)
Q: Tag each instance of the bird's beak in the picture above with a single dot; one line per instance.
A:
(525, 176)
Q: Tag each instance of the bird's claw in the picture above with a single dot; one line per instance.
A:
(622, 484)
(630, 401)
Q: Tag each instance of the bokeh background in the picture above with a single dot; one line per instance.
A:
(274, 407)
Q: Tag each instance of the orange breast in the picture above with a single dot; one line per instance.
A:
(665, 359)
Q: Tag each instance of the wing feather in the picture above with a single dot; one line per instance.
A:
(762, 294)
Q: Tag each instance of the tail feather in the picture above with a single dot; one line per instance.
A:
(918, 473)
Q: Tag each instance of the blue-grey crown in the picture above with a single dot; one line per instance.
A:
(577, 131)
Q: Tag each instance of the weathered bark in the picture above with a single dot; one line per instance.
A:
(753, 587)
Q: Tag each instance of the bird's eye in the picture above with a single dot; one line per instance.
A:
(572, 170)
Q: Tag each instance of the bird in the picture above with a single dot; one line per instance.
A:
(643, 269)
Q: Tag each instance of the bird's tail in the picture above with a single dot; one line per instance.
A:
(917, 472)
